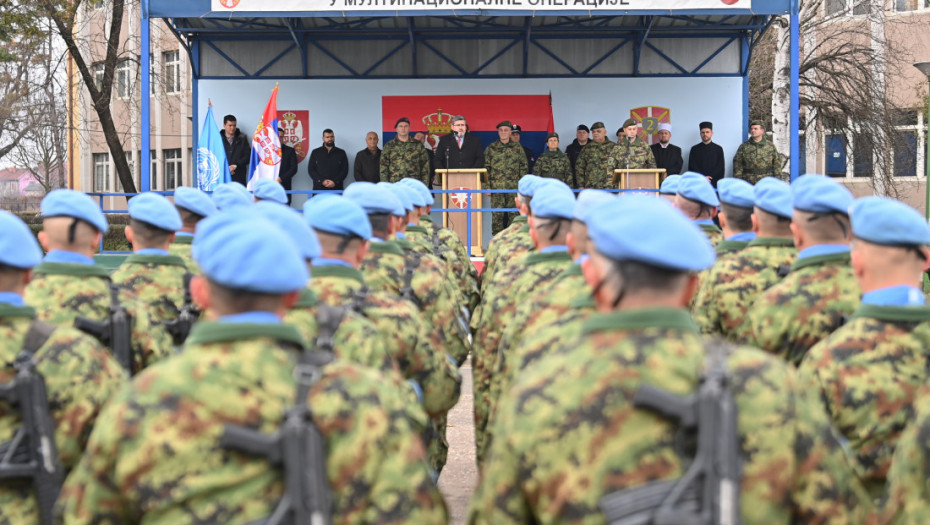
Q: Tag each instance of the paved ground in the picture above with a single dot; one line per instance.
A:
(458, 478)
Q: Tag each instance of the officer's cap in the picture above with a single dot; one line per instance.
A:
(696, 187)
(528, 184)
(18, 245)
(588, 200)
(553, 200)
(70, 203)
(516, 128)
(650, 231)
(670, 185)
(403, 195)
(774, 196)
(885, 221)
(505, 123)
(756, 123)
(269, 190)
(629, 122)
(242, 250)
(231, 195)
(293, 225)
(338, 216)
(597, 125)
(736, 192)
(820, 194)
(418, 186)
(582, 127)
(194, 200)
(373, 198)
(156, 210)
(401, 119)
(551, 135)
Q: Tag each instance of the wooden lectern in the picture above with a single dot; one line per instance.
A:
(644, 179)
(467, 179)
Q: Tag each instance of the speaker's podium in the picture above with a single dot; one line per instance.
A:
(464, 179)
(642, 179)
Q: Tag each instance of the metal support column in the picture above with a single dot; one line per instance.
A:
(145, 47)
(745, 53)
(195, 113)
(794, 126)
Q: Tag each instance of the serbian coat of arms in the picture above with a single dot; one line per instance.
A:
(295, 124)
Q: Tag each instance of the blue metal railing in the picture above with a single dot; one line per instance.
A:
(437, 195)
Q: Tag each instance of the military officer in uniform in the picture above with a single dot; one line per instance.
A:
(631, 152)
(193, 206)
(736, 204)
(506, 163)
(757, 157)
(404, 157)
(593, 167)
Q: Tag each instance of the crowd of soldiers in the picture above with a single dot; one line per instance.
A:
(252, 364)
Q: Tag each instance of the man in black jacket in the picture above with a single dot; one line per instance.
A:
(288, 166)
(706, 157)
(574, 149)
(328, 164)
(667, 155)
(238, 150)
(368, 161)
(458, 150)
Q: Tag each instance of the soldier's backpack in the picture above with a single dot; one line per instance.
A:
(297, 447)
(32, 455)
(115, 332)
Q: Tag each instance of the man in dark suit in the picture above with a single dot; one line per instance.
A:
(238, 150)
(288, 166)
(458, 149)
(328, 164)
(667, 155)
(706, 157)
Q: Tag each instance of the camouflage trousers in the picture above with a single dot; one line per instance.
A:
(501, 219)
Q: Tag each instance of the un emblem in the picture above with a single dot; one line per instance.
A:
(208, 169)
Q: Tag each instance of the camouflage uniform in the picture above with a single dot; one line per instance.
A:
(554, 165)
(60, 292)
(505, 163)
(157, 280)
(510, 252)
(400, 160)
(727, 247)
(182, 248)
(80, 377)
(635, 156)
(805, 307)
(734, 283)
(594, 168)
(713, 233)
(908, 499)
(155, 448)
(453, 250)
(867, 374)
(567, 433)
(755, 160)
(498, 241)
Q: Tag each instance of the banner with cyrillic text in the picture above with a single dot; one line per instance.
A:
(307, 6)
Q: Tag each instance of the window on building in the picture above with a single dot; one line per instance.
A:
(835, 7)
(172, 60)
(836, 155)
(152, 73)
(862, 155)
(153, 173)
(101, 172)
(905, 154)
(174, 168)
(911, 5)
(98, 74)
(125, 73)
(861, 7)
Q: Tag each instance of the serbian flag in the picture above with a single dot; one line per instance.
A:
(433, 116)
(266, 145)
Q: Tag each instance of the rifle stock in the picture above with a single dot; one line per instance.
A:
(114, 332)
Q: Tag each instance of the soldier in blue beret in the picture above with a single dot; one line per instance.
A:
(193, 205)
(267, 189)
(669, 187)
(736, 204)
(231, 194)
(698, 201)
(820, 290)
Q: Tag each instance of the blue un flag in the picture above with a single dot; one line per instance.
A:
(212, 166)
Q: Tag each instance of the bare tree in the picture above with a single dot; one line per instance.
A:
(19, 40)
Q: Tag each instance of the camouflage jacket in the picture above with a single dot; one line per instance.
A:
(755, 160)
(908, 498)
(505, 163)
(734, 283)
(453, 250)
(805, 307)
(498, 241)
(404, 159)
(727, 247)
(567, 433)
(154, 455)
(401, 326)
(61, 292)
(80, 377)
(635, 156)
(594, 168)
(554, 165)
(867, 374)
(157, 280)
(510, 252)
(713, 233)
(182, 248)
(430, 291)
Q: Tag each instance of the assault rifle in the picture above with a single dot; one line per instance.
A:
(113, 332)
(708, 493)
(180, 328)
(32, 454)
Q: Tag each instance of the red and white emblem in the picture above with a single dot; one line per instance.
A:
(649, 118)
(295, 123)
(271, 152)
(229, 4)
(460, 200)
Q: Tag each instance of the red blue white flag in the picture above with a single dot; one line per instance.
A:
(266, 145)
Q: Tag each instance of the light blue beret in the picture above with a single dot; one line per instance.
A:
(418, 185)
(406, 200)
(774, 196)
(527, 185)
(696, 187)
(194, 200)
(373, 198)
(587, 200)
(881, 220)
(269, 190)
(156, 210)
(736, 192)
(670, 185)
(18, 245)
(231, 195)
(415, 197)
(338, 216)
(820, 194)
(70, 203)
(651, 231)
(289, 221)
(242, 250)
(553, 200)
